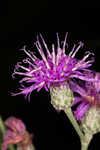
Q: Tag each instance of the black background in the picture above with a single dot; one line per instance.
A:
(20, 22)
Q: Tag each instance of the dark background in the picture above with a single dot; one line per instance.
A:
(20, 22)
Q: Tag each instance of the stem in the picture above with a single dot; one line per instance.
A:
(32, 147)
(11, 147)
(84, 146)
(74, 122)
(2, 127)
(3, 130)
(29, 147)
(84, 138)
(85, 143)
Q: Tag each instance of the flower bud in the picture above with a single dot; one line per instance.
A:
(61, 97)
(91, 121)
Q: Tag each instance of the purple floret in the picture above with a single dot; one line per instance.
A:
(53, 69)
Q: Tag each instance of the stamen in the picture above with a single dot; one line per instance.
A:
(24, 79)
(27, 61)
(72, 50)
(58, 41)
(20, 73)
(41, 53)
(86, 56)
(82, 77)
(45, 46)
(64, 45)
(37, 69)
(80, 45)
(58, 56)
(24, 68)
(28, 53)
(39, 85)
(53, 54)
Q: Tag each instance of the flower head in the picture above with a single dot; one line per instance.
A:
(54, 68)
(89, 96)
(16, 134)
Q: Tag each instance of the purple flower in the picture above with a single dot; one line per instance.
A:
(15, 124)
(89, 96)
(53, 69)
(16, 134)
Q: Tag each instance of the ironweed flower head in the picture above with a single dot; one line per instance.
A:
(54, 68)
(16, 134)
(89, 96)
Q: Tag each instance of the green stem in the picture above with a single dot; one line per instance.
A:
(30, 147)
(2, 127)
(11, 147)
(3, 130)
(71, 117)
(84, 146)
(86, 141)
